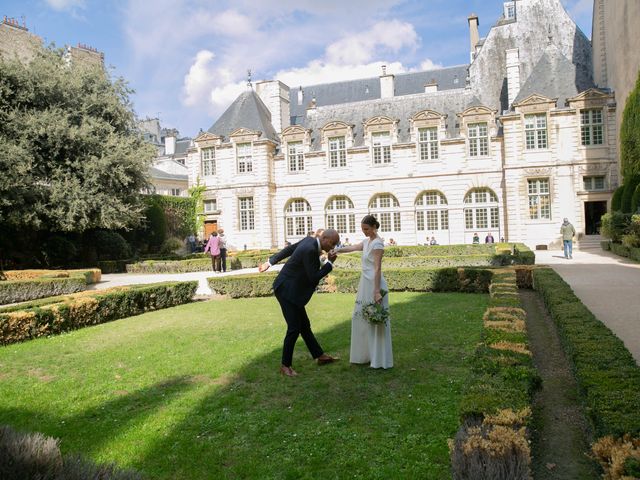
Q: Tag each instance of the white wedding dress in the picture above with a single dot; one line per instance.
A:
(370, 343)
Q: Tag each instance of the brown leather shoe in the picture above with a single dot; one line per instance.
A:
(288, 371)
(325, 359)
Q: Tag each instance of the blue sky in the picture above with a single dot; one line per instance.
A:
(188, 59)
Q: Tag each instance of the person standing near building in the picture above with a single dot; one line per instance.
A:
(489, 238)
(476, 239)
(568, 232)
(213, 247)
(223, 250)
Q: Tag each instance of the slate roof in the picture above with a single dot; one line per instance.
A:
(247, 111)
(555, 76)
(182, 145)
(400, 108)
(369, 89)
(162, 175)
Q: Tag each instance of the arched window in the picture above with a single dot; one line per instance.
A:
(432, 212)
(481, 209)
(297, 219)
(384, 207)
(340, 214)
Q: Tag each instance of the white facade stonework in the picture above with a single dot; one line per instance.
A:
(509, 152)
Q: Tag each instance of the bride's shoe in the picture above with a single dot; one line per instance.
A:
(288, 371)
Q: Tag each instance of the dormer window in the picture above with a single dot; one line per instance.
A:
(337, 152)
(295, 156)
(510, 10)
(245, 158)
(535, 127)
(478, 139)
(591, 127)
(208, 159)
(381, 145)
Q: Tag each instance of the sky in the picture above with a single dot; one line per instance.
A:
(187, 60)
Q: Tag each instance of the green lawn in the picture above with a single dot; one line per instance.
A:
(193, 392)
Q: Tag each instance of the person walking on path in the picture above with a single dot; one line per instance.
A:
(223, 250)
(568, 232)
(213, 247)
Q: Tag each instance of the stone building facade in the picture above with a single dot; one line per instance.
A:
(616, 48)
(509, 144)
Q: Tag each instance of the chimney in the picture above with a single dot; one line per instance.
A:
(431, 87)
(300, 95)
(275, 96)
(474, 33)
(170, 143)
(513, 74)
(387, 84)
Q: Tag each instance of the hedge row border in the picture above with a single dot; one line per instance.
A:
(15, 291)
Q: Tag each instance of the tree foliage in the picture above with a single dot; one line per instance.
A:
(616, 200)
(630, 134)
(630, 184)
(70, 156)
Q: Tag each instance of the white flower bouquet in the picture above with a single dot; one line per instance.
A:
(375, 313)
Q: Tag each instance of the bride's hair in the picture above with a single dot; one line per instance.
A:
(371, 221)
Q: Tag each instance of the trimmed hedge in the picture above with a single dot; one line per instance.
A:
(607, 374)
(38, 284)
(470, 280)
(78, 311)
(493, 439)
(619, 249)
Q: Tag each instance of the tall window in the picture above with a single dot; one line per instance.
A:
(539, 200)
(481, 209)
(296, 157)
(510, 10)
(337, 152)
(593, 183)
(176, 192)
(245, 159)
(428, 138)
(385, 208)
(591, 127)
(208, 158)
(247, 214)
(431, 211)
(210, 206)
(340, 215)
(381, 142)
(298, 221)
(535, 127)
(478, 139)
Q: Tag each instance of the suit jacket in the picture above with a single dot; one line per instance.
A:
(300, 276)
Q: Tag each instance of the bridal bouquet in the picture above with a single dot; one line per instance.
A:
(375, 313)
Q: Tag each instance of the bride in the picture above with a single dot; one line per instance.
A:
(370, 343)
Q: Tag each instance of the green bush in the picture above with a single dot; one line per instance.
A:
(607, 374)
(59, 250)
(502, 383)
(171, 245)
(71, 313)
(616, 199)
(605, 245)
(471, 280)
(156, 226)
(110, 245)
(630, 185)
(623, 251)
(630, 134)
(635, 200)
(13, 291)
(614, 225)
(179, 213)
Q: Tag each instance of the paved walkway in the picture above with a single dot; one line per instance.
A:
(608, 285)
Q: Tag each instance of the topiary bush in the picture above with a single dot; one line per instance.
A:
(616, 199)
(614, 225)
(630, 134)
(171, 245)
(59, 251)
(635, 200)
(630, 185)
(156, 227)
(110, 245)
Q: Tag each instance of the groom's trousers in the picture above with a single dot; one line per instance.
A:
(297, 324)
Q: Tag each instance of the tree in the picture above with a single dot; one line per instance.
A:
(630, 135)
(70, 155)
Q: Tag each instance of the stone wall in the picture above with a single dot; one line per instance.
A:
(16, 41)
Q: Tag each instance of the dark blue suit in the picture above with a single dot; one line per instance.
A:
(293, 287)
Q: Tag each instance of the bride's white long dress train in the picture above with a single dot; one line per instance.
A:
(370, 343)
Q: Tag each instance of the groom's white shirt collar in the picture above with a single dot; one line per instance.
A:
(320, 254)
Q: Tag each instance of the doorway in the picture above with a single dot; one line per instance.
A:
(210, 227)
(593, 212)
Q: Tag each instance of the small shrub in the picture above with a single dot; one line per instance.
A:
(614, 225)
(171, 245)
(635, 200)
(618, 457)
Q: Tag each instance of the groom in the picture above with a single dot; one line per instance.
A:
(294, 287)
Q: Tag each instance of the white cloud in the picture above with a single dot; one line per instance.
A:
(66, 4)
